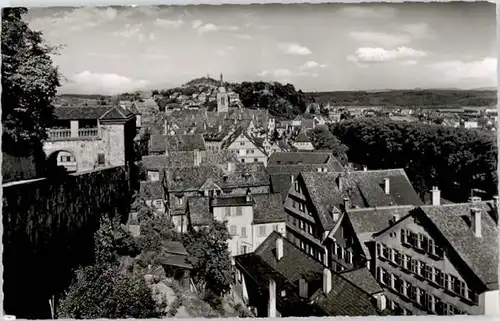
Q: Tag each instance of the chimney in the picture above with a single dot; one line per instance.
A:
(271, 313)
(381, 301)
(476, 221)
(292, 179)
(387, 186)
(395, 218)
(365, 168)
(346, 203)
(197, 157)
(279, 248)
(340, 182)
(165, 129)
(248, 196)
(230, 166)
(495, 202)
(220, 128)
(303, 288)
(436, 196)
(327, 281)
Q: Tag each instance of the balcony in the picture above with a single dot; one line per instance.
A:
(66, 133)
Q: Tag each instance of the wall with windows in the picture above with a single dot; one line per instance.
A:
(302, 227)
(419, 275)
(239, 224)
(344, 250)
(262, 231)
(246, 151)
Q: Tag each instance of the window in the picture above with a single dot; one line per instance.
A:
(342, 253)
(179, 200)
(242, 160)
(405, 235)
(419, 268)
(421, 240)
(297, 188)
(301, 207)
(232, 230)
(242, 143)
(153, 175)
(239, 211)
(349, 257)
(250, 151)
(334, 248)
(100, 159)
(338, 252)
(301, 224)
(255, 160)
(227, 211)
(262, 230)
(310, 229)
(431, 303)
(384, 252)
(294, 203)
(420, 298)
(243, 231)
(276, 227)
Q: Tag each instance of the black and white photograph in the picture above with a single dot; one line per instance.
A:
(249, 160)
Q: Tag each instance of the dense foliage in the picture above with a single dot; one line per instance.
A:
(103, 290)
(430, 98)
(29, 83)
(454, 159)
(211, 258)
(50, 225)
(282, 101)
(322, 138)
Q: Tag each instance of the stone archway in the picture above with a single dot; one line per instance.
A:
(62, 158)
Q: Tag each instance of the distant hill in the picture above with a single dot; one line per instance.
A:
(408, 98)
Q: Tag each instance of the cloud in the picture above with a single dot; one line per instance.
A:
(73, 20)
(106, 83)
(361, 12)
(484, 69)
(294, 49)
(311, 65)
(129, 31)
(175, 24)
(243, 36)
(106, 55)
(210, 27)
(196, 24)
(379, 55)
(152, 36)
(409, 62)
(381, 38)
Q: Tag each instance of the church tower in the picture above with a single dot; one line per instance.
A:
(222, 97)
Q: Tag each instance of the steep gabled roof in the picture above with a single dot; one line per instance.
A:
(345, 298)
(479, 253)
(302, 138)
(185, 142)
(151, 190)
(362, 188)
(363, 279)
(198, 208)
(117, 113)
(268, 208)
(83, 112)
(158, 143)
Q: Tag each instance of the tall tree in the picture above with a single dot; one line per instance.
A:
(29, 84)
(322, 138)
(212, 261)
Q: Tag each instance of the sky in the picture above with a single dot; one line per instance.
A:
(316, 47)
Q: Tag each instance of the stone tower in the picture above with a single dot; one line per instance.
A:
(222, 97)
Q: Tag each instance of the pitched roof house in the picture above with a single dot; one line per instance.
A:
(278, 279)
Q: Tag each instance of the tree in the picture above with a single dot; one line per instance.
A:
(29, 84)
(103, 290)
(212, 263)
(454, 159)
(322, 138)
(106, 292)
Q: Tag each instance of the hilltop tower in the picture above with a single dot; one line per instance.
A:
(222, 97)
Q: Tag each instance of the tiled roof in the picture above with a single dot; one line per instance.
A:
(186, 159)
(117, 112)
(302, 138)
(192, 178)
(151, 190)
(232, 200)
(479, 253)
(174, 260)
(158, 143)
(268, 208)
(344, 299)
(198, 208)
(174, 247)
(363, 279)
(368, 221)
(84, 112)
(185, 142)
(298, 158)
(308, 123)
(363, 188)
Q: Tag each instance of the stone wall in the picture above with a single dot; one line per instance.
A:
(48, 229)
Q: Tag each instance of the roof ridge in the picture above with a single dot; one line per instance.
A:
(381, 208)
(457, 204)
